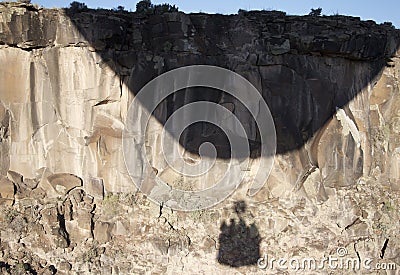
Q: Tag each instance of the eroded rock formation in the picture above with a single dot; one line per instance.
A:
(67, 79)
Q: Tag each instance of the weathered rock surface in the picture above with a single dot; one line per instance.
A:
(68, 204)
(6, 191)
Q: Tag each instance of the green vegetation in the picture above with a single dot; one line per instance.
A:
(15, 220)
(111, 205)
(10, 215)
(242, 11)
(315, 12)
(146, 7)
(77, 7)
(143, 7)
(22, 268)
(119, 9)
(91, 254)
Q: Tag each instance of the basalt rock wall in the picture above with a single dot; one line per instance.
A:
(67, 79)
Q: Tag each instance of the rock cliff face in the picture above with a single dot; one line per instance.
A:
(66, 82)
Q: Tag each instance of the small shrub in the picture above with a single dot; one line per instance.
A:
(389, 24)
(129, 199)
(111, 206)
(22, 268)
(119, 9)
(242, 11)
(167, 46)
(78, 6)
(91, 254)
(163, 8)
(143, 6)
(15, 221)
(315, 12)
(10, 215)
(146, 7)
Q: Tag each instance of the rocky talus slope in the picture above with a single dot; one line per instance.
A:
(67, 204)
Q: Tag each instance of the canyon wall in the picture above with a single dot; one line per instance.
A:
(67, 80)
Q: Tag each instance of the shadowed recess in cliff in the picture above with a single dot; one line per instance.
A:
(304, 67)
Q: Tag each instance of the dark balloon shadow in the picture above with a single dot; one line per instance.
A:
(239, 243)
(303, 86)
